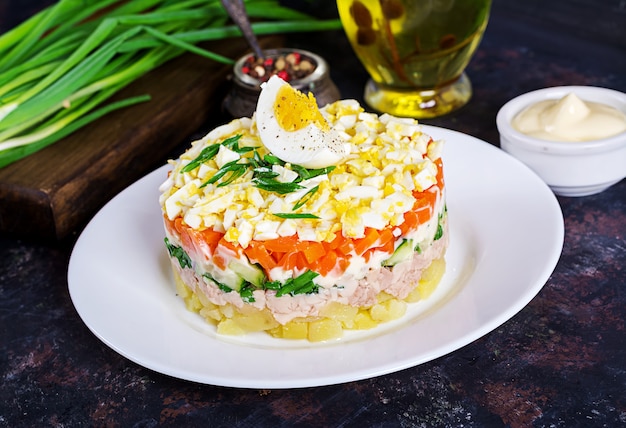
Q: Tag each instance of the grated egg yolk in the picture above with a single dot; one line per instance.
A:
(295, 110)
(376, 183)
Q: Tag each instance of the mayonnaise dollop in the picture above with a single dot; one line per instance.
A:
(570, 119)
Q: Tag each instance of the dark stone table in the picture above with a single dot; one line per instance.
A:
(560, 362)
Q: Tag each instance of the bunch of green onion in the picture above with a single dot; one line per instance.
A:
(58, 68)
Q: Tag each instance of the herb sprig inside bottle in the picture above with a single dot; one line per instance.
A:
(263, 175)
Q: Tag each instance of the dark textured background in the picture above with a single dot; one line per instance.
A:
(560, 362)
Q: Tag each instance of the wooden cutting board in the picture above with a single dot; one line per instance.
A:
(51, 194)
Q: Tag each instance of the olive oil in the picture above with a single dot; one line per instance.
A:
(414, 47)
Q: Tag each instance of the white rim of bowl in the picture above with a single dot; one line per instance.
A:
(606, 96)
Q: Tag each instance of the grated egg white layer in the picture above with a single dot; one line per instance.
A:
(373, 186)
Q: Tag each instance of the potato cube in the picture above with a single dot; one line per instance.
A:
(230, 327)
(340, 312)
(182, 290)
(414, 296)
(193, 303)
(211, 314)
(388, 310)
(395, 308)
(205, 301)
(227, 310)
(383, 297)
(295, 330)
(255, 321)
(324, 329)
(431, 277)
(276, 332)
(364, 321)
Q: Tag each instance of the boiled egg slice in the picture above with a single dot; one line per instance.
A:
(292, 127)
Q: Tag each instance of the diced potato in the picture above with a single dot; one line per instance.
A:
(329, 325)
(230, 327)
(364, 321)
(295, 330)
(431, 277)
(382, 297)
(182, 290)
(388, 310)
(343, 313)
(211, 314)
(378, 312)
(276, 331)
(193, 303)
(396, 308)
(435, 271)
(255, 321)
(227, 310)
(324, 329)
(205, 301)
(414, 296)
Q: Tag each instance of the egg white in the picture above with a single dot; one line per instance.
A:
(310, 147)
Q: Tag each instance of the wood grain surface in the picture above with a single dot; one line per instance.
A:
(53, 192)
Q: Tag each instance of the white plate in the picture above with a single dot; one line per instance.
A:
(506, 236)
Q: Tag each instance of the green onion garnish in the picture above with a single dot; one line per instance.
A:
(299, 285)
(272, 185)
(303, 200)
(296, 215)
(206, 154)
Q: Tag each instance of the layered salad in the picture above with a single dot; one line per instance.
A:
(304, 222)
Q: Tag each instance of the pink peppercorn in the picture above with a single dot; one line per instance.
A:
(288, 67)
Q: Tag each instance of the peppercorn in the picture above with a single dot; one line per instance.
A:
(291, 66)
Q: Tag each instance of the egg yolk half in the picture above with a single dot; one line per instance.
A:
(295, 110)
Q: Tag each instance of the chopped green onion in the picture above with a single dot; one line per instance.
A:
(273, 160)
(231, 142)
(439, 232)
(263, 176)
(59, 68)
(296, 215)
(235, 168)
(272, 185)
(264, 172)
(209, 153)
(303, 200)
(247, 293)
(310, 173)
(177, 252)
(206, 154)
(299, 285)
(235, 174)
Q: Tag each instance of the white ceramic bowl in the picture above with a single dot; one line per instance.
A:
(569, 168)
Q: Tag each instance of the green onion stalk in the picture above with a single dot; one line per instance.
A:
(59, 68)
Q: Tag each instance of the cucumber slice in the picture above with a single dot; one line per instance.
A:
(402, 253)
(227, 280)
(248, 272)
